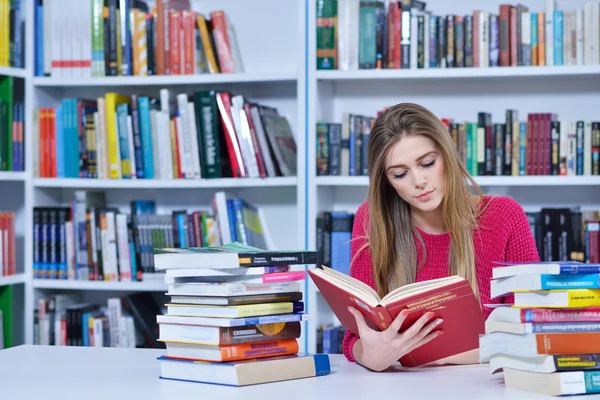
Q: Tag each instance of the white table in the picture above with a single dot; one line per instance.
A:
(76, 373)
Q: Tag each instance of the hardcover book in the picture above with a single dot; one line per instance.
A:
(451, 299)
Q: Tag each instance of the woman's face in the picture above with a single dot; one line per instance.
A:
(415, 169)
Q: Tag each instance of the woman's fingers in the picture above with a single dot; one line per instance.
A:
(360, 320)
(416, 327)
(420, 342)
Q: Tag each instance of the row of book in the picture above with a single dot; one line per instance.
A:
(566, 234)
(208, 135)
(89, 240)
(7, 310)
(333, 235)
(237, 309)
(12, 34)
(8, 244)
(543, 144)
(403, 34)
(330, 338)
(67, 320)
(551, 331)
(90, 38)
(12, 121)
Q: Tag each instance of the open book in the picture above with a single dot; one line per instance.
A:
(451, 299)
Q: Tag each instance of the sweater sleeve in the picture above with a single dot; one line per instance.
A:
(361, 267)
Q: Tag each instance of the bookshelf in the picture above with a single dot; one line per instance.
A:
(456, 93)
(14, 72)
(273, 75)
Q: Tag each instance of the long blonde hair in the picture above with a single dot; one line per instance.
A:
(391, 231)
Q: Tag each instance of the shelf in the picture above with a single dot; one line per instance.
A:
(12, 279)
(14, 72)
(166, 80)
(341, 181)
(461, 73)
(150, 286)
(75, 183)
(12, 176)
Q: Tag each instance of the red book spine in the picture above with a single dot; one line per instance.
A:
(397, 35)
(222, 41)
(233, 148)
(514, 46)
(188, 42)
(175, 50)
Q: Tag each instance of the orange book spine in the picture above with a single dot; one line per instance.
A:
(188, 42)
(43, 144)
(52, 141)
(541, 42)
(160, 39)
(247, 351)
(568, 343)
(175, 50)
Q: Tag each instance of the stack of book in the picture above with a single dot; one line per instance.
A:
(548, 341)
(234, 315)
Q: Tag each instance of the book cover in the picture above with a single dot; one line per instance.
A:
(451, 299)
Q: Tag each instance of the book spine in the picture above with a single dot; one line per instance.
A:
(541, 315)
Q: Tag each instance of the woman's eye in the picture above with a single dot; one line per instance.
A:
(429, 164)
(399, 176)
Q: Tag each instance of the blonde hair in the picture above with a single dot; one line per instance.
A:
(391, 231)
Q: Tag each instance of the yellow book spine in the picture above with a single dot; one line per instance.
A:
(174, 149)
(579, 298)
(206, 45)
(112, 138)
(5, 58)
(140, 45)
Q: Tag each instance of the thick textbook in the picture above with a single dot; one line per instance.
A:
(451, 299)
(248, 372)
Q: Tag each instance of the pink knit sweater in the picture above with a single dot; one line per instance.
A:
(503, 235)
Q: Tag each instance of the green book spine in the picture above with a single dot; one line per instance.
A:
(6, 94)
(6, 306)
(473, 166)
(208, 129)
(327, 34)
(367, 35)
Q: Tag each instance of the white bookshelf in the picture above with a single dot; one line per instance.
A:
(9, 176)
(14, 72)
(169, 80)
(12, 279)
(146, 286)
(457, 93)
(274, 76)
(223, 183)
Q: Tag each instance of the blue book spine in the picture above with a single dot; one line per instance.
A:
(592, 381)
(146, 133)
(558, 37)
(181, 220)
(232, 219)
(579, 147)
(534, 32)
(432, 41)
(75, 154)
(522, 147)
(352, 145)
(565, 327)
(582, 269)
(555, 282)
(66, 134)
(268, 319)
(122, 127)
(37, 244)
(341, 234)
(133, 261)
(39, 39)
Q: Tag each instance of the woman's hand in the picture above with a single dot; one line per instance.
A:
(378, 350)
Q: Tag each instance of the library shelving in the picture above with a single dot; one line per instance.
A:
(336, 88)
(146, 286)
(272, 75)
(14, 72)
(12, 279)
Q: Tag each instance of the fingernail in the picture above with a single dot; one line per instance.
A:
(439, 321)
(430, 315)
(404, 312)
(440, 333)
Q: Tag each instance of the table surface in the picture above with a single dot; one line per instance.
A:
(65, 373)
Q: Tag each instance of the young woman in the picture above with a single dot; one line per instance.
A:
(425, 218)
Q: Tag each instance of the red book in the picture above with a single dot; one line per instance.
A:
(451, 299)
